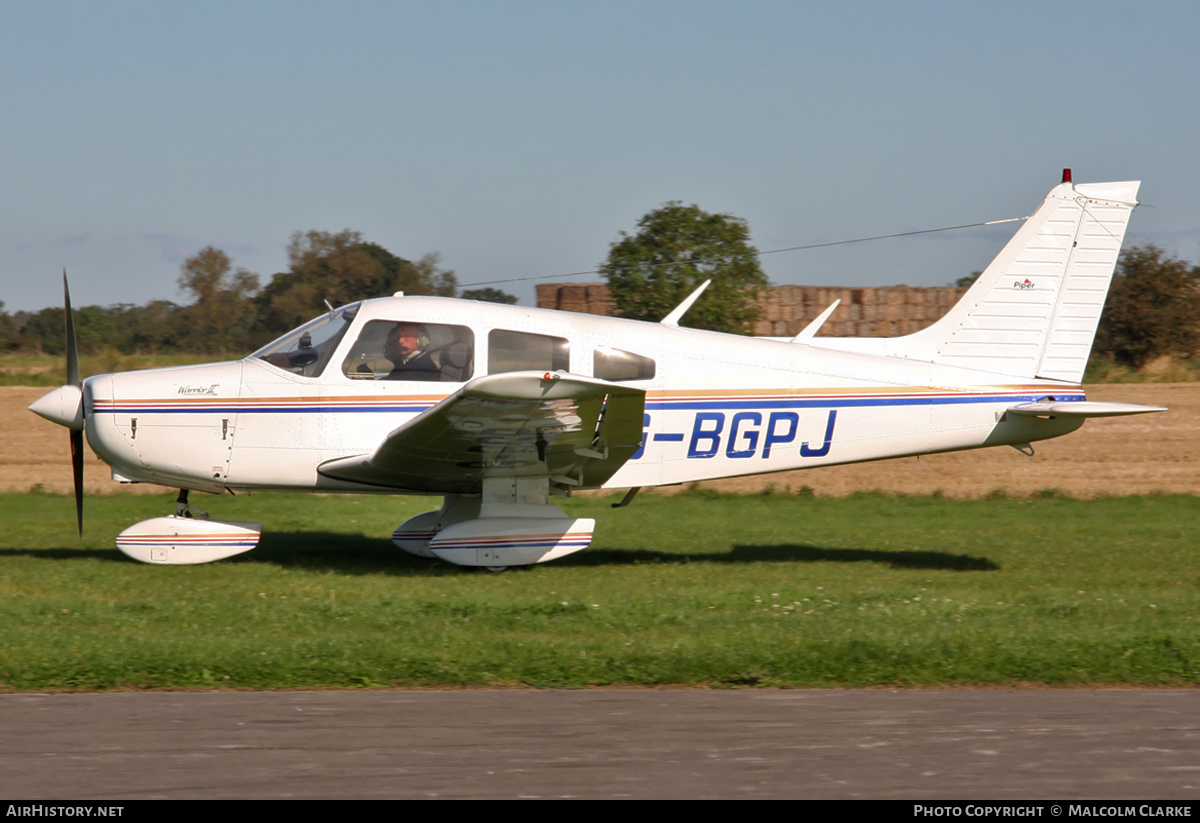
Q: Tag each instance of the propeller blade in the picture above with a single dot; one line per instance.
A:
(72, 346)
(77, 472)
(73, 380)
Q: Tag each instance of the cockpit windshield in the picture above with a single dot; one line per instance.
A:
(307, 350)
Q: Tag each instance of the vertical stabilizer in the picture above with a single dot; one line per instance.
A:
(1034, 311)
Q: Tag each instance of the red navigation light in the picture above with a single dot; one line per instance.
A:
(1066, 175)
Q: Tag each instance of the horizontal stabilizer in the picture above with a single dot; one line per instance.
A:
(1080, 408)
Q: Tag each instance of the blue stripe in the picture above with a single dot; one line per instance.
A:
(834, 403)
(655, 405)
(207, 544)
(265, 410)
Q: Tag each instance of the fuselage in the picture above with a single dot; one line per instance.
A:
(717, 405)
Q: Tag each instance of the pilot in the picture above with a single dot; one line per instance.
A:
(405, 347)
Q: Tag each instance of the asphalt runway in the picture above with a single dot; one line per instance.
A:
(995, 744)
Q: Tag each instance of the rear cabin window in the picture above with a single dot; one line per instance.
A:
(404, 350)
(617, 365)
(521, 351)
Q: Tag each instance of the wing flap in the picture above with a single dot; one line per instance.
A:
(576, 430)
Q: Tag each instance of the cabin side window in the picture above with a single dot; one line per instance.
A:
(407, 350)
(521, 351)
(617, 365)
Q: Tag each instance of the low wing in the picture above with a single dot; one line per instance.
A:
(1079, 408)
(575, 430)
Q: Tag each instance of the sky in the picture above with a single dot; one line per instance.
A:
(519, 139)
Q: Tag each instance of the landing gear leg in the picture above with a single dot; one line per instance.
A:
(184, 509)
(414, 534)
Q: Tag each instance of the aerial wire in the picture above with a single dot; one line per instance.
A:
(764, 253)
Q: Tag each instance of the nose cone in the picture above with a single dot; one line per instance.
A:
(63, 406)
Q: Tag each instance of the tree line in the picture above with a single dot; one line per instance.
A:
(230, 311)
(1153, 307)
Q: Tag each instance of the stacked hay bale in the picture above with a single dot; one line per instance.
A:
(889, 311)
(588, 298)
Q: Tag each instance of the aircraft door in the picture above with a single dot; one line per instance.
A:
(278, 431)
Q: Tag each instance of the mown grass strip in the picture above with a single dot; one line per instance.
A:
(699, 589)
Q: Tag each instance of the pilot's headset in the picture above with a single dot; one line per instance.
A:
(423, 338)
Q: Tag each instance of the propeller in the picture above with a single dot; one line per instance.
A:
(64, 405)
(73, 380)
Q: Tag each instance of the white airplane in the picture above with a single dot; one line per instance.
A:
(499, 408)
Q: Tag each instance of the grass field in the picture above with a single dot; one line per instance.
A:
(698, 589)
(27, 369)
